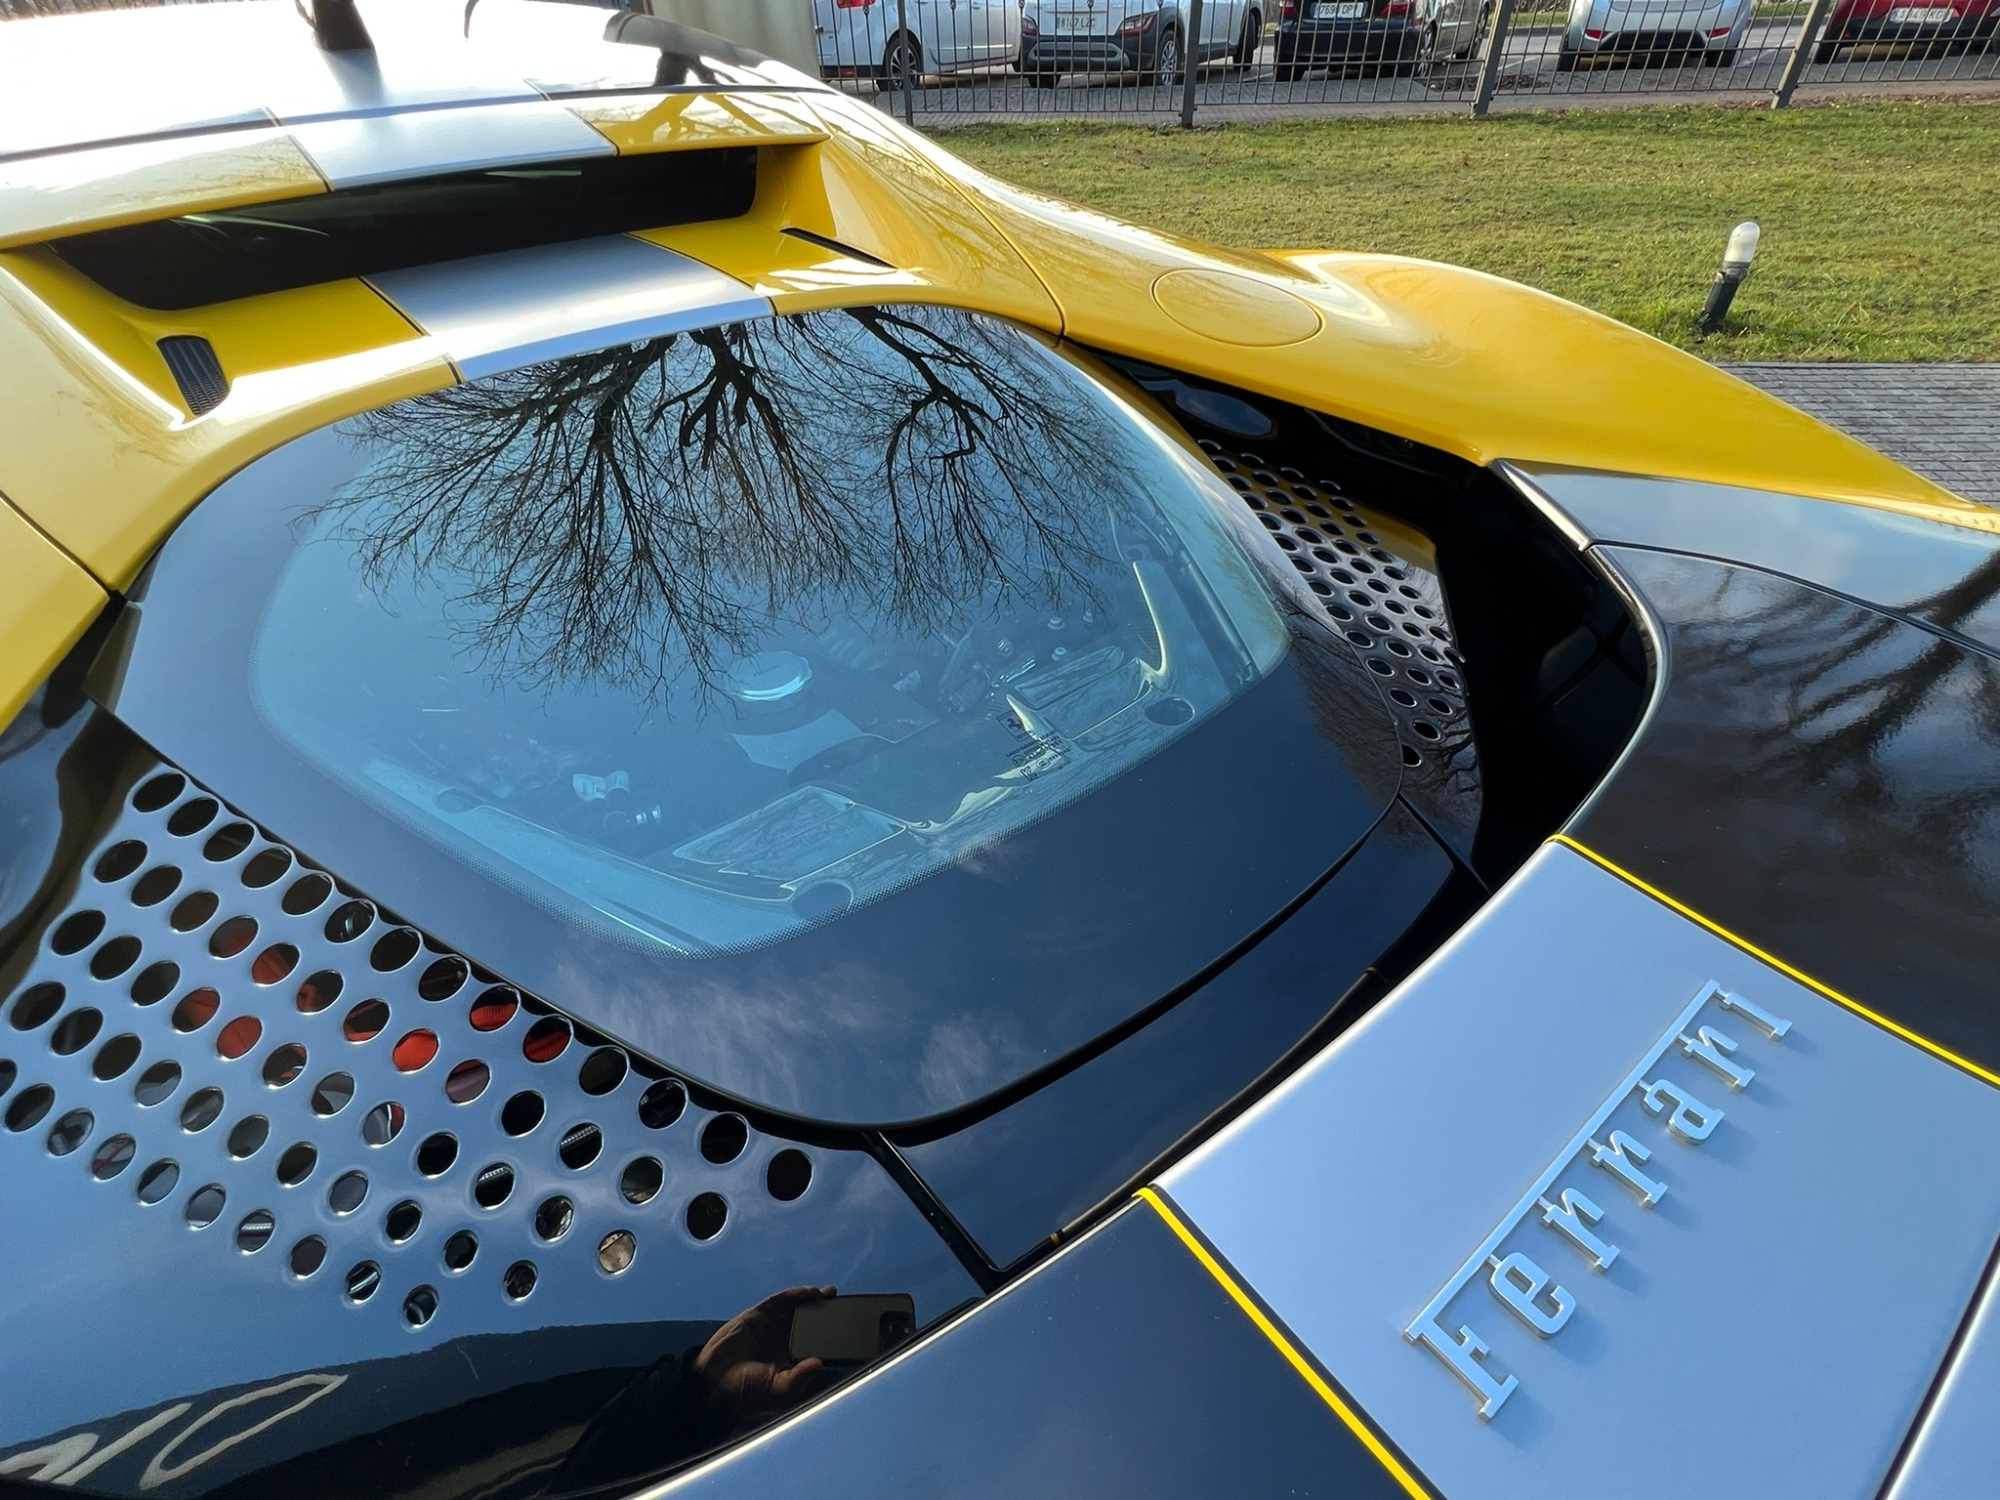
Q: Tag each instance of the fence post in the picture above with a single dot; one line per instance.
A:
(903, 54)
(1795, 65)
(1190, 50)
(1489, 68)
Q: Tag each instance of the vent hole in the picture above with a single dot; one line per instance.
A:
(553, 1217)
(204, 1205)
(467, 1081)
(365, 1021)
(437, 1153)
(274, 963)
(394, 949)
(362, 1281)
(193, 910)
(602, 1071)
(192, 816)
(349, 1192)
(332, 1094)
(546, 1039)
(615, 1251)
(382, 1124)
(196, 1009)
(114, 1057)
(156, 982)
(789, 1175)
(284, 1064)
(157, 793)
(238, 1037)
(157, 1084)
(71, 1131)
(297, 1164)
(76, 1031)
(706, 1215)
(420, 1306)
(232, 937)
(77, 931)
(494, 1009)
(415, 1050)
(37, 1003)
(255, 1232)
(307, 1256)
(443, 979)
(723, 1138)
(403, 1220)
(157, 1181)
(580, 1146)
(349, 921)
(319, 991)
(460, 1249)
(662, 1104)
(518, 1280)
(305, 894)
(247, 1136)
(494, 1185)
(120, 860)
(192, 362)
(201, 1110)
(228, 841)
(158, 883)
(33, 1102)
(113, 1157)
(266, 867)
(642, 1179)
(114, 958)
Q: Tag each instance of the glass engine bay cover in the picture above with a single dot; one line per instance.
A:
(861, 709)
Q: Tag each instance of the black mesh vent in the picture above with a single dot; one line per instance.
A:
(196, 371)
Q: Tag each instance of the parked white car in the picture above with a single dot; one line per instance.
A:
(1150, 38)
(1654, 32)
(864, 39)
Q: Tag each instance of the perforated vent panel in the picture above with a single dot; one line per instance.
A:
(239, 1098)
(1376, 582)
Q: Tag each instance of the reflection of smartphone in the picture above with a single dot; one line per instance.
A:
(852, 1330)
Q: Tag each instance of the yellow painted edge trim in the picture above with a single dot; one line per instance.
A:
(1298, 1361)
(1779, 964)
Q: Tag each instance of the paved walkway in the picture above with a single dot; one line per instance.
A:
(1941, 420)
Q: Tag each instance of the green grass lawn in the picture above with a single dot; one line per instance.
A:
(1881, 220)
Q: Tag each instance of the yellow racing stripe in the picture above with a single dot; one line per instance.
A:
(1779, 964)
(1298, 1361)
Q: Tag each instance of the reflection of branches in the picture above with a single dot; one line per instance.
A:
(629, 514)
(1856, 682)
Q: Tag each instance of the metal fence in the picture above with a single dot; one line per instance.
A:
(931, 60)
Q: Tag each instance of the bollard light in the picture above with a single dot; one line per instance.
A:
(1736, 258)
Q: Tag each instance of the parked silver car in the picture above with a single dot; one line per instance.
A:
(863, 38)
(1151, 38)
(1654, 32)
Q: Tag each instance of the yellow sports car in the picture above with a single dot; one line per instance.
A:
(693, 799)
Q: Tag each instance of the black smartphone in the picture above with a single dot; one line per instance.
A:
(852, 1330)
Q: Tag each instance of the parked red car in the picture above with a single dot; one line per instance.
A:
(1940, 26)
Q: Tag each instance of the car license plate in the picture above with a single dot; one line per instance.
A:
(1920, 15)
(1073, 23)
(1340, 10)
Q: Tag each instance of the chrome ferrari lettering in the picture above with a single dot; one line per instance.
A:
(1464, 1355)
(1772, 1026)
(1518, 1281)
(1607, 1143)
(1572, 1218)
(1712, 1049)
(1618, 1157)
(1688, 1118)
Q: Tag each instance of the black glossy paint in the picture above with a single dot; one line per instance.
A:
(1039, 1165)
(1824, 781)
(1120, 1368)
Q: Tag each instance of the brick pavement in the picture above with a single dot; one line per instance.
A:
(1941, 420)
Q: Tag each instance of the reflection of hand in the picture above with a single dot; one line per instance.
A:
(748, 1362)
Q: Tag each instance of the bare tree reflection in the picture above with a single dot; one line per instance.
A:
(647, 511)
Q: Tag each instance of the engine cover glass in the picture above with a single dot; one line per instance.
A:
(726, 633)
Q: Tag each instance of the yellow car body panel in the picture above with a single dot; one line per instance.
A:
(47, 601)
(73, 191)
(686, 122)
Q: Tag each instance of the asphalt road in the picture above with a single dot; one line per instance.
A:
(1528, 66)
